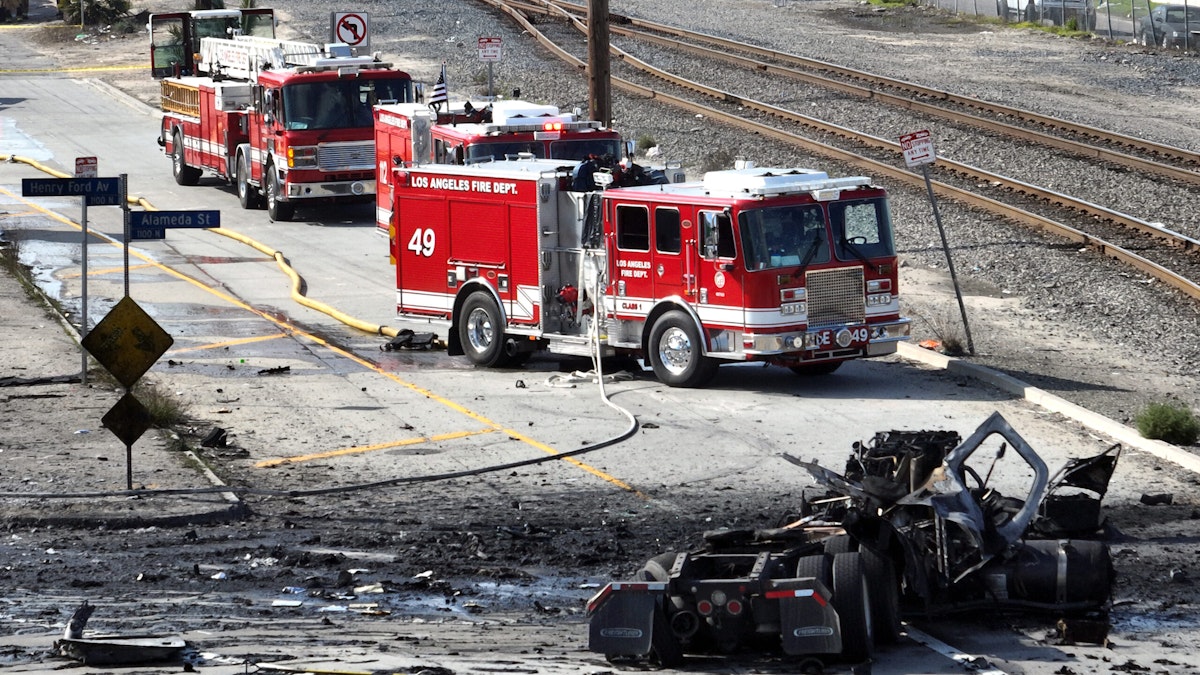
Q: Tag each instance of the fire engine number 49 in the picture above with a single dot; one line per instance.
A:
(422, 242)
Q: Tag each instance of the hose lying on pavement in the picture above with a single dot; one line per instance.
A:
(387, 331)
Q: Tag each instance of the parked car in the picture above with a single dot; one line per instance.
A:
(1169, 26)
(1057, 12)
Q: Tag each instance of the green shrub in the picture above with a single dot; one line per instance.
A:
(98, 11)
(1169, 421)
(645, 142)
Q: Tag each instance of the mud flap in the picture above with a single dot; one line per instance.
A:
(808, 623)
(623, 618)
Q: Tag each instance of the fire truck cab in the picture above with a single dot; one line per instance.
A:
(787, 266)
(286, 122)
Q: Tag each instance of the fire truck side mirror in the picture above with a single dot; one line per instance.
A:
(418, 92)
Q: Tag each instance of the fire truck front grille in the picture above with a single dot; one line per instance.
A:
(835, 297)
(355, 156)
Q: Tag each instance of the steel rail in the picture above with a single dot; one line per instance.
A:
(1042, 194)
(1176, 281)
(1181, 155)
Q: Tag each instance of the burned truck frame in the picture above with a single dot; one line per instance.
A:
(910, 529)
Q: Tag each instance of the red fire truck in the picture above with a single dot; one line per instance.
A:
(787, 266)
(413, 134)
(286, 122)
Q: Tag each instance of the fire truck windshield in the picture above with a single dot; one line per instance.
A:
(580, 149)
(340, 104)
(862, 229)
(783, 236)
(486, 150)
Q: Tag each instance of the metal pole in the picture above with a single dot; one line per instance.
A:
(125, 212)
(83, 327)
(128, 463)
(491, 90)
(949, 261)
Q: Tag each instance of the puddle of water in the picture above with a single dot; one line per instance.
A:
(17, 142)
(461, 599)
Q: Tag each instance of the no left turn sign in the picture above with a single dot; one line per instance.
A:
(352, 28)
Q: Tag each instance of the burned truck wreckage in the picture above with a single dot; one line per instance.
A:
(915, 527)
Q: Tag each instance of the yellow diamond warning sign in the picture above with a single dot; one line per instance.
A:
(127, 342)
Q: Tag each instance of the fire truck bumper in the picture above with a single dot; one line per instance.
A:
(349, 188)
(866, 340)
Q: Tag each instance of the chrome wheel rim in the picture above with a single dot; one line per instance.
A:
(675, 350)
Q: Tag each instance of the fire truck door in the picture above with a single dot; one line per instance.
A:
(719, 295)
(667, 258)
(169, 39)
(634, 267)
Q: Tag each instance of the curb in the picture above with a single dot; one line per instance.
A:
(1125, 435)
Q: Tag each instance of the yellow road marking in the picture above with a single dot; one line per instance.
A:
(106, 271)
(359, 449)
(229, 343)
(82, 69)
(292, 330)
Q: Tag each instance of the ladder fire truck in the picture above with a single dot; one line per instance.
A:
(286, 122)
(413, 134)
(787, 266)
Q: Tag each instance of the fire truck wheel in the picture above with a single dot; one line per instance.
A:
(851, 599)
(277, 209)
(885, 595)
(822, 368)
(675, 351)
(247, 193)
(481, 331)
(184, 174)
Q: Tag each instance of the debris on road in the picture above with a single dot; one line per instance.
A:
(912, 527)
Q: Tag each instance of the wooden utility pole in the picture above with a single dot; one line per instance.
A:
(599, 72)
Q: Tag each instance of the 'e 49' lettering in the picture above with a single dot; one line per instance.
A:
(422, 242)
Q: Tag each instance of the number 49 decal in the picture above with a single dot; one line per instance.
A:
(422, 242)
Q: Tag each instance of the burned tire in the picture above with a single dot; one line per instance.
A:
(665, 649)
(248, 195)
(277, 209)
(840, 543)
(884, 587)
(852, 601)
(676, 351)
(658, 568)
(184, 174)
(818, 566)
(481, 331)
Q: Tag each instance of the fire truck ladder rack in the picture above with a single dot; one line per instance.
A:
(244, 56)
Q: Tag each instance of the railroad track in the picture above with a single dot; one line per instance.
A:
(1172, 260)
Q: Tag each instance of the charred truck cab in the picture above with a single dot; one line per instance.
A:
(787, 266)
(286, 122)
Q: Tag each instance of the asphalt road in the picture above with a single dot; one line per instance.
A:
(348, 405)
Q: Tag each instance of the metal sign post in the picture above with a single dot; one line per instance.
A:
(918, 151)
(85, 167)
(490, 50)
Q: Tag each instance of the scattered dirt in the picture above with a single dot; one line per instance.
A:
(462, 539)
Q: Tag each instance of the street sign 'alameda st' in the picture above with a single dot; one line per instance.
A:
(153, 224)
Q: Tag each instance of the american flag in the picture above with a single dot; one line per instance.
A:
(439, 90)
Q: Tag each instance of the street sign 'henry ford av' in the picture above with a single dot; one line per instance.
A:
(97, 191)
(127, 342)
